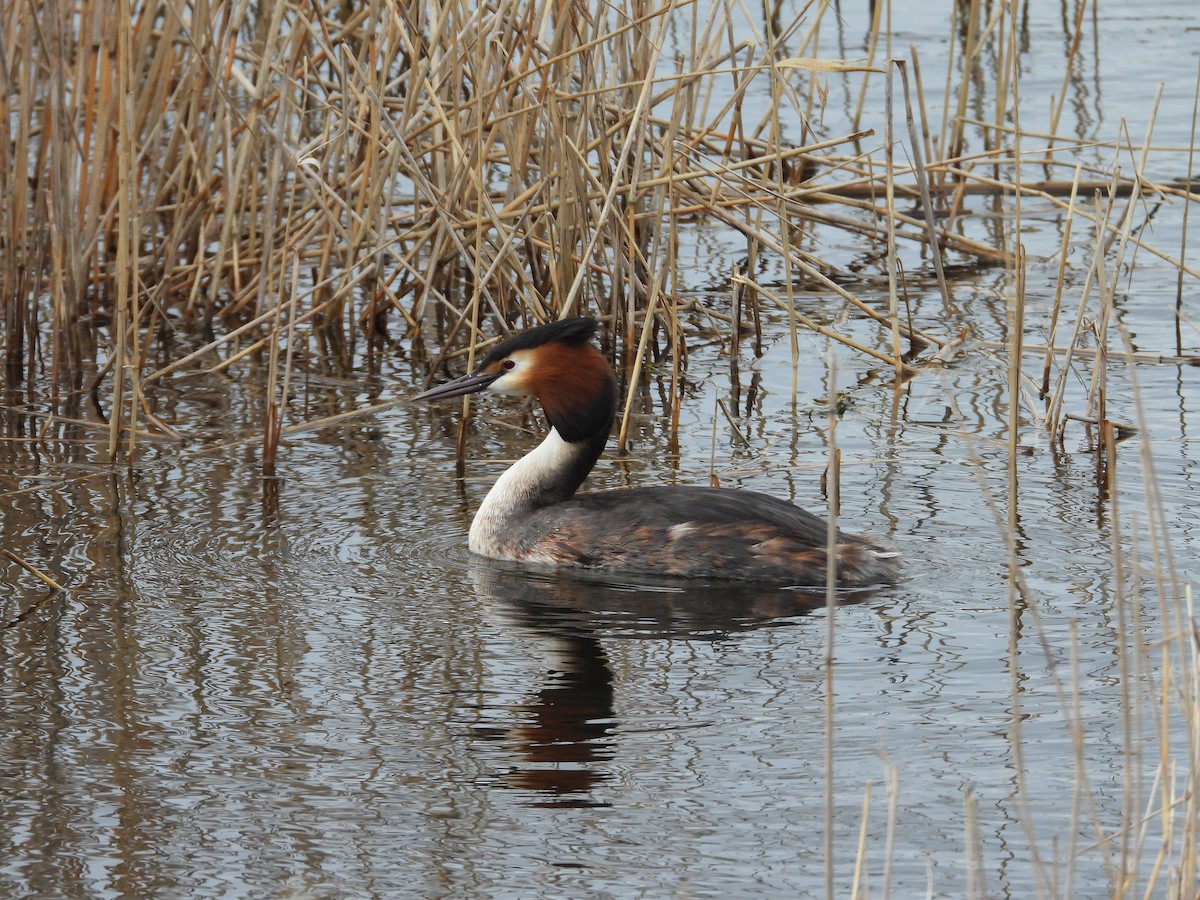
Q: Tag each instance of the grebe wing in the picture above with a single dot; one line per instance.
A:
(668, 506)
(700, 532)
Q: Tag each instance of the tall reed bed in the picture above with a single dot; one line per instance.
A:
(282, 185)
(289, 182)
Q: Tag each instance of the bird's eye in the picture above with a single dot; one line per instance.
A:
(508, 365)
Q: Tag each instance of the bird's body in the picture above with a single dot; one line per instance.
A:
(533, 513)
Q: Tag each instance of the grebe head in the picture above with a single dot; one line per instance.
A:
(557, 364)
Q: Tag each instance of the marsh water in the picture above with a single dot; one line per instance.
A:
(306, 686)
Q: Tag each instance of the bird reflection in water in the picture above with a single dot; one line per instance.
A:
(568, 730)
(565, 734)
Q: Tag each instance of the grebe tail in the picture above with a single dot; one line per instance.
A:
(532, 513)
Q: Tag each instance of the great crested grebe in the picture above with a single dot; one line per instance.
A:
(532, 513)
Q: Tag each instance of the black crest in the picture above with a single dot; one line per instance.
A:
(569, 331)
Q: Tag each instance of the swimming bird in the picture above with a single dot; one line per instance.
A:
(533, 513)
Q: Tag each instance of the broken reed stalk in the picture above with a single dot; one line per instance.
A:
(973, 841)
(872, 48)
(1178, 629)
(1183, 239)
(55, 589)
(1007, 89)
(1019, 605)
(916, 144)
(1068, 221)
(861, 863)
(893, 263)
(1054, 406)
(1097, 407)
(833, 508)
(32, 570)
(953, 126)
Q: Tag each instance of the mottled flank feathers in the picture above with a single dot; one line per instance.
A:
(700, 533)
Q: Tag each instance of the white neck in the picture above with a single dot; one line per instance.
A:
(519, 491)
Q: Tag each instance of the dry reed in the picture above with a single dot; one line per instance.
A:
(209, 186)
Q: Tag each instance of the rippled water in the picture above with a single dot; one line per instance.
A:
(307, 686)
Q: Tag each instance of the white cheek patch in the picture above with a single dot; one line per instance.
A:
(512, 381)
(509, 383)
